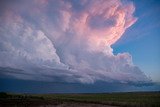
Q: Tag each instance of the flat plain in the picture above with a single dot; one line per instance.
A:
(127, 99)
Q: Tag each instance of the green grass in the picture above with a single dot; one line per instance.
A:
(133, 99)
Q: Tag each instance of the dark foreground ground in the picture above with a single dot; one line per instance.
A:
(131, 99)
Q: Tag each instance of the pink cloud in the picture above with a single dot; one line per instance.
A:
(69, 42)
(97, 24)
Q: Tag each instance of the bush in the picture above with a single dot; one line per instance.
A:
(3, 95)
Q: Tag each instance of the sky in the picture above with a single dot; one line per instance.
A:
(142, 39)
(79, 45)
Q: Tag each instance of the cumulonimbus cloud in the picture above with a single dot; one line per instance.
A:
(56, 40)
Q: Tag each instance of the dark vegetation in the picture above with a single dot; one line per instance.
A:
(130, 99)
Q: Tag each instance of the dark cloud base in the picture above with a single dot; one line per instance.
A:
(28, 86)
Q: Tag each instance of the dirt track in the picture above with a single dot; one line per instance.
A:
(78, 105)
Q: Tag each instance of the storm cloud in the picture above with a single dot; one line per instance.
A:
(66, 40)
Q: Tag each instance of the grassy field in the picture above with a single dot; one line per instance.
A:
(132, 99)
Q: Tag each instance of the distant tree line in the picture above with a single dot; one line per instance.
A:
(4, 95)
